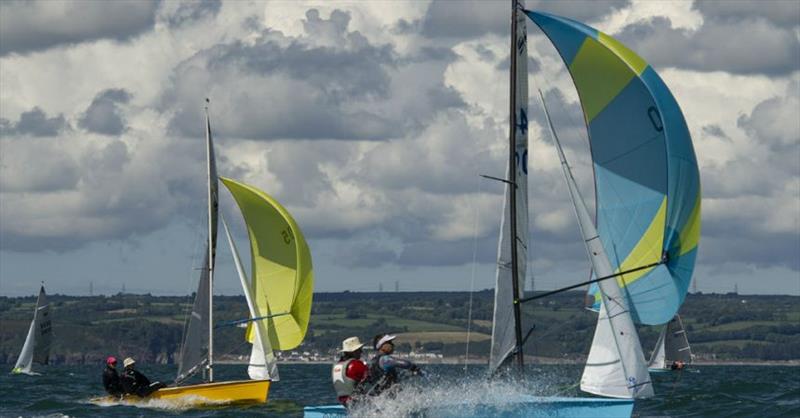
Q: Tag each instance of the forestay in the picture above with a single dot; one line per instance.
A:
(281, 272)
(503, 333)
(646, 176)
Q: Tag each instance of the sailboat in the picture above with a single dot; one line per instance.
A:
(40, 334)
(278, 293)
(643, 247)
(672, 346)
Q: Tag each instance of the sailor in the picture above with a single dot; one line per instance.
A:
(135, 383)
(349, 373)
(111, 378)
(384, 366)
(678, 365)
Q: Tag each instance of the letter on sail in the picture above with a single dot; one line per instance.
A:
(646, 177)
(503, 338)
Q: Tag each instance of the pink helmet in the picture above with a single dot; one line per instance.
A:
(111, 360)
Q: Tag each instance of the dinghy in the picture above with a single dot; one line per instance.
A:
(278, 294)
(672, 347)
(40, 334)
(642, 248)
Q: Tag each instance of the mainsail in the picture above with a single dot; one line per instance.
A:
(37, 343)
(262, 364)
(615, 366)
(646, 177)
(281, 273)
(503, 325)
(197, 347)
(672, 346)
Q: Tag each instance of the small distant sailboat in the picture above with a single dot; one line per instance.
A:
(672, 347)
(278, 294)
(40, 335)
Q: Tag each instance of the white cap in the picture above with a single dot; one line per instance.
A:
(351, 344)
(128, 362)
(385, 339)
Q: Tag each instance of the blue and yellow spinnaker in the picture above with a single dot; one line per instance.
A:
(646, 177)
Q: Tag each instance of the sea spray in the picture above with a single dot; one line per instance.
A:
(448, 397)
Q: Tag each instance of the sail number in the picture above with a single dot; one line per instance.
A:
(524, 163)
(287, 235)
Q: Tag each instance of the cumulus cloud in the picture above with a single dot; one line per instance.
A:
(104, 115)
(27, 26)
(188, 12)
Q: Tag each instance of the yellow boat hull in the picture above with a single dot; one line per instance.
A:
(234, 392)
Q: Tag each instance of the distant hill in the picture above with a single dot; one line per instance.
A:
(86, 329)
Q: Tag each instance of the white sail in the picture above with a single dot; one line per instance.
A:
(37, 343)
(616, 366)
(262, 364)
(672, 346)
(658, 359)
(503, 335)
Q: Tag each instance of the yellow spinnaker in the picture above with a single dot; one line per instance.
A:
(282, 276)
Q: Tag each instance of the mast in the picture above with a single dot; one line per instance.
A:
(512, 172)
(210, 265)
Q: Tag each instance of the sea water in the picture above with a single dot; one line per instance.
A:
(708, 391)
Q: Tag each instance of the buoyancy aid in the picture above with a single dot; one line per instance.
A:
(343, 384)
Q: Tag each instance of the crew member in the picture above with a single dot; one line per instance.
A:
(111, 378)
(135, 383)
(349, 373)
(384, 366)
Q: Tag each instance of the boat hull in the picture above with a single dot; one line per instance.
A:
(538, 407)
(238, 392)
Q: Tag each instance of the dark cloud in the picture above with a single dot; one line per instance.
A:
(748, 46)
(715, 131)
(780, 12)
(468, 19)
(104, 116)
(191, 11)
(35, 123)
(27, 26)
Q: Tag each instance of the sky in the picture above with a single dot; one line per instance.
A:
(372, 123)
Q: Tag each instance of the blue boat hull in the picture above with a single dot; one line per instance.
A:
(529, 407)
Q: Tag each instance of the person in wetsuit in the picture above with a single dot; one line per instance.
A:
(135, 383)
(383, 368)
(111, 379)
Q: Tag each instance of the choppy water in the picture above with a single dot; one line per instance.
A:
(716, 391)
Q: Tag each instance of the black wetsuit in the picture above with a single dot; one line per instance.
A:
(383, 372)
(135, 383)
(111, 381)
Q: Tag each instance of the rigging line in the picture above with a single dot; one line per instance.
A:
(472, 279)
(246, 320)
(610, 276)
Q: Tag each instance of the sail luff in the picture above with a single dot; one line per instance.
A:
(616, 366)
(263, 364)
(506, 324)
